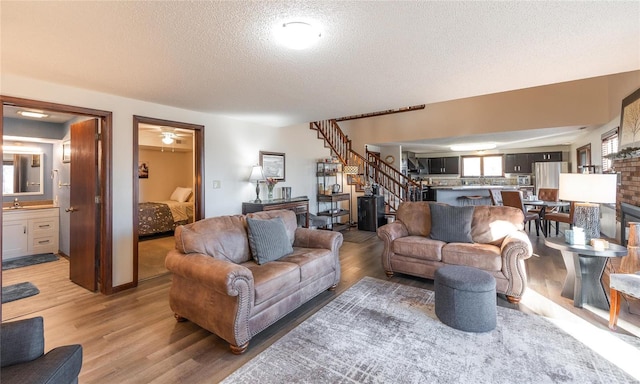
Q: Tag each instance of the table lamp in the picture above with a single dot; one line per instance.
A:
(351, 170)
(257, 175)
(588, 191)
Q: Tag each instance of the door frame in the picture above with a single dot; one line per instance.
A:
(198, 155)
(105, 259)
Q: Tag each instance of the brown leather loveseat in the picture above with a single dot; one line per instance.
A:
(496, 243)
(218, 285)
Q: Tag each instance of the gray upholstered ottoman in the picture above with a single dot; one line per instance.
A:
(465, 298)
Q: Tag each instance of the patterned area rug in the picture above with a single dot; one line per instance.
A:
(26, 261)
(18, 291)
(383, 332)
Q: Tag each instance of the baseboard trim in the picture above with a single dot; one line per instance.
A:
(122, 287)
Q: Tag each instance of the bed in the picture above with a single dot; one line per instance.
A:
(155, 217)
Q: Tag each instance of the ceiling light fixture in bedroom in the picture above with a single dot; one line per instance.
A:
(167, 137)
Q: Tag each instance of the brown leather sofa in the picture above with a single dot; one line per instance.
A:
(499, 246)
(217, 285)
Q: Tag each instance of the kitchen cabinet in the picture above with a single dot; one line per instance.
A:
(444, 165)
(545, 156)
(518, 163)
(523, 162)
(29, 232)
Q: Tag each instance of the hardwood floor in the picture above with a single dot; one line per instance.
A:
(151, 253)
(132, 337)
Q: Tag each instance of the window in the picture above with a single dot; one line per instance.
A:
(609, 145)
(471, 166)
(478, 166)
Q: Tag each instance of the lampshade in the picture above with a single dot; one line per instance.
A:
(256, 173)
(351, 169)
(591, 188)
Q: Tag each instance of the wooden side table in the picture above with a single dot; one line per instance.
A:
(585, 267)
(299, 205)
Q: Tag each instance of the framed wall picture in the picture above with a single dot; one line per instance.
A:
(66, 151)
(273, 165)
(143, 170)
(630, 120)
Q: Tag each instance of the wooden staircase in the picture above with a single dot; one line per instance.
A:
(394, 186)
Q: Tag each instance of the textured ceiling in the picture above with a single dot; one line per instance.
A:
(221, 57)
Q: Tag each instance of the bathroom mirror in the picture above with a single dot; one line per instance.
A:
(22, 174)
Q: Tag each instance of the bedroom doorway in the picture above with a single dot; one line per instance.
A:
(168, 158)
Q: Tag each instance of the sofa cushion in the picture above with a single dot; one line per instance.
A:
(268, 239)
(491, 224)
(451, 224)
(482, 256)
(230, 242)
(273, 278)
(419, 247)
(288, 217)
(416, 217)
(313, 262)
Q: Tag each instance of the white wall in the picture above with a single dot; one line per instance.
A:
(231, 148)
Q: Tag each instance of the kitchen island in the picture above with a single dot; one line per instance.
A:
(455, 195)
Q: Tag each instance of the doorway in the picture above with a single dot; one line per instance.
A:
(167, 188)
(100, 252)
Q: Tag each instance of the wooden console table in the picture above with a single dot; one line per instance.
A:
(299, 205)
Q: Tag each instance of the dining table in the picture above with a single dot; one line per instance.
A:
(543, 206)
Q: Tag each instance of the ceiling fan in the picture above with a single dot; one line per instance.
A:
(169, 137)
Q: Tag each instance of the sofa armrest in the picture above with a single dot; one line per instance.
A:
(219, 275)
(316, 238)
(388, 233)
(515, 248)
(392, 231)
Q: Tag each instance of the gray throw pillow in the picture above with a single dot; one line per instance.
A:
(268, 239)
(450, 223)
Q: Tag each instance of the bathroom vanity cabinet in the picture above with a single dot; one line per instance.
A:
(29, 231)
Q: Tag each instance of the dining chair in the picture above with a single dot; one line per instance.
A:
(545, 194)
(627, 283)
(496, 196)
(560, 217)
(514, 199)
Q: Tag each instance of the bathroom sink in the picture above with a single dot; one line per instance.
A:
(28, 207)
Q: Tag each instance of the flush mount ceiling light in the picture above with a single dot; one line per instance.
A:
(37, 115)
(168, 137)
(473, 147)
(298, 34)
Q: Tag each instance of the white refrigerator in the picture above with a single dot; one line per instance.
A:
(547, 174)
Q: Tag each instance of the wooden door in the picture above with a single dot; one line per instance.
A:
(83, 209)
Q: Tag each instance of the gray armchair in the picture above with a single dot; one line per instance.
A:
(22, 357)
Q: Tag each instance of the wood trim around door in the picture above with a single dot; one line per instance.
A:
(106, 207)
(198, 154)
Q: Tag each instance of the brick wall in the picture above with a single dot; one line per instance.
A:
(629, 190)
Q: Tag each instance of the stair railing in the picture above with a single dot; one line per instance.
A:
(394, 186)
